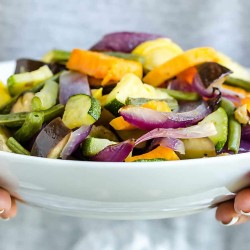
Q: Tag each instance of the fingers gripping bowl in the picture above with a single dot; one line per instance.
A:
(151, 174)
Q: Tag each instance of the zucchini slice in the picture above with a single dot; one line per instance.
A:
(92, 146)
(18, 83)
(132, 86)
(81, 110)
(220, 120)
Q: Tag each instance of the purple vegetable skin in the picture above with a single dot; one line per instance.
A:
(122, 41)
(196, 131)
(209, 78)
(72, 83)
(115, 153)
(169, 142)
(75, 140)
(149, 119)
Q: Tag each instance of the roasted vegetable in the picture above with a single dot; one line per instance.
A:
(51, 140)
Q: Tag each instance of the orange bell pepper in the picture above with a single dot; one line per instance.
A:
(108, 68)
(241, 92)
(119, 123)
(246, 101)
(178, 64)
(187, 75)
(159, 152)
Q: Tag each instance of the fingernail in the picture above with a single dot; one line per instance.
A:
(244, 213)
(1, 211)
(232, 222)
(5, 219)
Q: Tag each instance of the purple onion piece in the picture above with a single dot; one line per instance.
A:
(115, 153)
(72, 83)
(149, 119)
(245, 133)
(232, 98)
(169, 142)
(244, 146)
(75, 140)
(209, 78)
(122, 41)
(196, 131)
(180, 85)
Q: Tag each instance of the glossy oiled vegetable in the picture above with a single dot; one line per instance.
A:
(180, 63)
(51, 140)
(133, 97)
(105, 67)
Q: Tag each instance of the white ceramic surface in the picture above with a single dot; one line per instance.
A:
(122, 190)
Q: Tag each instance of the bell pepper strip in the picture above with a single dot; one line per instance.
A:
(101, 66)
(16, 147)
(234, 135)
(161, 106)
(119, 123)
(159, 152)
(187, 75)
(246, 101)
(178, 64)
(157, 52)
(238, 91)
(5, 96)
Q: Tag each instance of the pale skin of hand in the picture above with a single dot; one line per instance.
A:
(8, 208)
(235, 212)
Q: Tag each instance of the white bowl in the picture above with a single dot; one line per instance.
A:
(122, 190)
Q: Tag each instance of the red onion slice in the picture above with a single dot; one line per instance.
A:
(75, 140)
(122, 41)
(115, 153)
(196, 131)
(209, 78)
(72, 83)
(169, 142)
(149, 119)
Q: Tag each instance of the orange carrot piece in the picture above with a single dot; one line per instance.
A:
(159, 152)
(101, 66)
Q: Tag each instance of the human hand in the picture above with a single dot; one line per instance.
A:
(8, 206)
(235, 211)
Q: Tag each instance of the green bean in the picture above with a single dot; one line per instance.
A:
(184, 96)
(17, 119)
(228, 106)
(16, 147)
(126, 56)
(13, 119)
(238, 83)
(31, 126)
(234, 135)
(53, 112)
(46, 97)
(56, 56)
